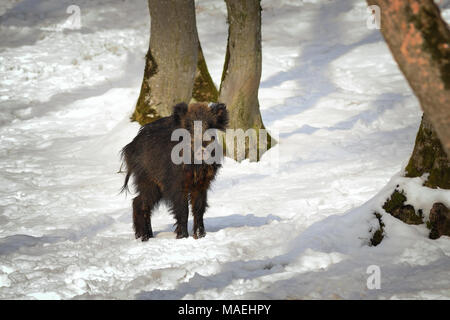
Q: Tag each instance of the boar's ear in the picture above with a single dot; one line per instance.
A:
(179, 111)
(220, 112)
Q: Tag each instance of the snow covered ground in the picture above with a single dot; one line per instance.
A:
(346, 121)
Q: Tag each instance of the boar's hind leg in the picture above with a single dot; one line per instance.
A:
(139, 212)
(199, 204)
(142, 210)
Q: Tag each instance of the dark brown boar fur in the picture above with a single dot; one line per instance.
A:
(157, 178)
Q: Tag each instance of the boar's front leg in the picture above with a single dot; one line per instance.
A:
(181, 211)
(199, 204)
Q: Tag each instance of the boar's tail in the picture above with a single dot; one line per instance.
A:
(127, 155)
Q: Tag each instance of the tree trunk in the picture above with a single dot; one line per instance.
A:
(242, 70)
(204, 88)
(429, 157)
(419, 40)
(171, 59)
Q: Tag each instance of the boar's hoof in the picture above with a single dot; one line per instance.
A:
(199, 234)
(147, 236)
(181, 235)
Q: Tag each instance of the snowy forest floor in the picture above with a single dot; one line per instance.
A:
(346, 121)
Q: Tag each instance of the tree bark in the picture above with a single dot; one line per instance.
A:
(242, 69)
(204, 88)
(429, 157)
(171, 60)
(419, 40)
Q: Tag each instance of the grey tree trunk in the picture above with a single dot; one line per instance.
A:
(419, 40)
(242, 70)
(171, 60)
